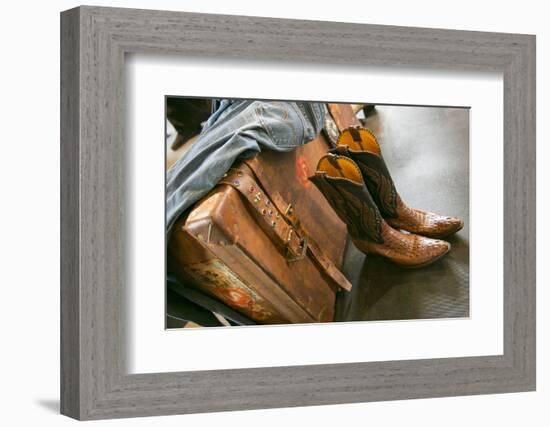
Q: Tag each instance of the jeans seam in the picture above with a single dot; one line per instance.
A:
(277, 141)
(302, 117)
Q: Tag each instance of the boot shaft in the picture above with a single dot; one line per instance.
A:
(340, 181)
(360, 145)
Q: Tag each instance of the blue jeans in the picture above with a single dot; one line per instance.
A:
(237, 129)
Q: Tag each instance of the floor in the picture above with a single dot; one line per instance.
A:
(427, 152)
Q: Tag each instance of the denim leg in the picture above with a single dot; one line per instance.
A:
(242, 129)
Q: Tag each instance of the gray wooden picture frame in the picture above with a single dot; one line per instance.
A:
(94, 382)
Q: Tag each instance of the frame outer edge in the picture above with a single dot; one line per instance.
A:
(90, 362)
(527, 129)
(532, 138)
(70, 387)
(520, 216)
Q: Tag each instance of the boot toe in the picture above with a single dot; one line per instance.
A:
(451, 226)
(429, 250)
(443, 247)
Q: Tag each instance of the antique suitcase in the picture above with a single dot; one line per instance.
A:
(265, 241)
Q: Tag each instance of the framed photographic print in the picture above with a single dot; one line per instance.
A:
(282, 213)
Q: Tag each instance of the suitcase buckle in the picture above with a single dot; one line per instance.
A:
(289, 216)
(291, 255)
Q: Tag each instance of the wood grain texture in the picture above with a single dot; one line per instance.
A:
(94, 270)
(70, 313)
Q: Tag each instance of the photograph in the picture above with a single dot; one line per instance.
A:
(292, 212)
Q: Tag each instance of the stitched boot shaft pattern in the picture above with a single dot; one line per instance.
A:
(377, 179)
(353, 204)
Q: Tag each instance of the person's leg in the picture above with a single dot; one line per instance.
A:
(243, 129)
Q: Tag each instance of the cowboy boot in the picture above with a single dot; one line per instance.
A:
(341, 182)
(360, 145)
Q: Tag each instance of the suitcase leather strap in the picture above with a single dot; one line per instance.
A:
(277, 219)
(317, 254)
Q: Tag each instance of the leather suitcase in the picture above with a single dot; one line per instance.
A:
(265, 241)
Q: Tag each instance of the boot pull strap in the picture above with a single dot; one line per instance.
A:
(333, 160)
(356, 136)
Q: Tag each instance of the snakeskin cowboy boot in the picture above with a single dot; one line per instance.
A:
(341, 182)
(360, 145)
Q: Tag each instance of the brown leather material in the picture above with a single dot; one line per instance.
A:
(213, 250)
(405, 250)
(284, 176)
(270, 219)
(343, 115)
(279, 221)
(222, 248)
(288, 213)
(377, 178)
(338, 179)
(362, 146)
(337, 118)
(423, 222)
(354, 206)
